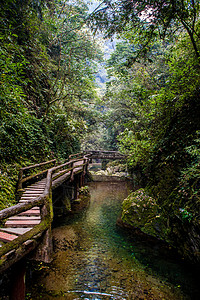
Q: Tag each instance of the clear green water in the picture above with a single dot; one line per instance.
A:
(94, 259)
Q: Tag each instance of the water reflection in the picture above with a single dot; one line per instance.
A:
(94, 259)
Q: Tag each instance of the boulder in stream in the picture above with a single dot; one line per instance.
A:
(141, 211)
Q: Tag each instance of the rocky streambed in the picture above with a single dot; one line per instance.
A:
(95, 259)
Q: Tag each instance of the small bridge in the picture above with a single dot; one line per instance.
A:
(101, 154)
(28, 223)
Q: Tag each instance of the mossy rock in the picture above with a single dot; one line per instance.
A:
(81, 203)
(141, 211)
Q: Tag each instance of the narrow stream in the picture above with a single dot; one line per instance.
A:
(94, 259)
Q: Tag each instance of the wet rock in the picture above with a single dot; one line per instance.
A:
(141, 212)
(81, 203)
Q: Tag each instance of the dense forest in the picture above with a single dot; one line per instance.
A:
(51, 106)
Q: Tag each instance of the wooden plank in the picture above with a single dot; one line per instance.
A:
(33, 208)
(21, 223)
(28, 198)
(39, 183)
(32, 194)
(17, 231)
(30, 212)
(38, 189)
(24, 200)
(32, 191)
(25, 218)
(7, 237)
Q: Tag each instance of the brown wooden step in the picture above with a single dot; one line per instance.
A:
(34, 189)
(40, 187)
(25, 218)
(30, 212)
(29, 198)
(29, 195)
(24, 201)
(22, 223)
(16, 231)
(7, 237)
(35, 208)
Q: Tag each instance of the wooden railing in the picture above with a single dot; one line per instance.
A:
(105, 154)
(77, 155)
(19, 247)
(12, 251)
(21, 177)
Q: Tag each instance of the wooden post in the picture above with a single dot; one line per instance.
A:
(19, 186)
(17, 289)
(76, 186)
(72, 172)
(45, 249)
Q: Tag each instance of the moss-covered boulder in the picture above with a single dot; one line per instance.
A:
(141, 212)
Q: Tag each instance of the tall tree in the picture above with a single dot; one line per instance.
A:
(149, 19)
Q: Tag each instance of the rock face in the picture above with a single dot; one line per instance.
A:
(185, 237)
(145, 216)
(141, 212)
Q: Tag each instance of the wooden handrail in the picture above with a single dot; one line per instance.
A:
(103, 152)
(76, 155)
(33, 176)
(39, 165)
(21, 180)
(44, 202)
(20, 207)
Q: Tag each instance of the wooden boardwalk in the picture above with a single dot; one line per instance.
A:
(25, 221)
(28, 223)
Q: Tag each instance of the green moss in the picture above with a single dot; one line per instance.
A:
(7, 191)
(141, 211)
(84, 190)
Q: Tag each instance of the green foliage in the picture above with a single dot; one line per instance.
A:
(47, 63)
(152, 106)
(185, 215)
(84, 190)
(7, 192)
(148, 20)
(8, 180)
